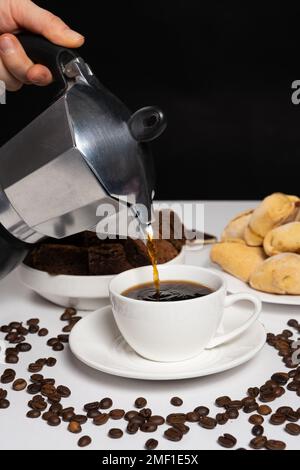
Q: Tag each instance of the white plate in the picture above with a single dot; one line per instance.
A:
(97, 342)
(235, 286)
(81, 292)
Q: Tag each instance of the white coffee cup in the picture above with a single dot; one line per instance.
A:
(175, 331)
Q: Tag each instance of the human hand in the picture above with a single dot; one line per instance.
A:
(16, 68)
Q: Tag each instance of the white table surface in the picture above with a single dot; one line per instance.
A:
(19, 432)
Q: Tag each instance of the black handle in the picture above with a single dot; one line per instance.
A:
(44, 52)
(147, 124)
(12, 252)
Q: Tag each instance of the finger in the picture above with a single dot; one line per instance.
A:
(39, 75)
(11, 83)
(19, 65)
(30, 16)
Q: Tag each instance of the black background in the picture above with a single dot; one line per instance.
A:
(221, 70)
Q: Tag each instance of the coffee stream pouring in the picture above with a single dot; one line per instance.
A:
(86, 149)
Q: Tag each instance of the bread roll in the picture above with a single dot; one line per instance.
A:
(279, 274)
(273, 211)
(237, 259)
(235, 229)
(283, 239)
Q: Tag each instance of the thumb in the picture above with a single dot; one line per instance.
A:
(38, 20)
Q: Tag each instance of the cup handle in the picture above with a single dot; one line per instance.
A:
(229, 300)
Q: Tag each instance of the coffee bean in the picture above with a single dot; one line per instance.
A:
(148, 427)
(4, 404)
(47, 415)
(235, 404)
(23, 347)
(115, 433)
(106, 403)
(11, 337)
(54, 420)
(145, 413)
(67, 414)
(293, 386)
(63, 338)
(74, 320)
(267, 397)
(192, 417)
(33, 414)
(116, 414)
(22, 331)
(33, 321)
(138, 420)
(11, 359)
(37, 405)
(5, 329)
(93, 413)
(151, 444)
(47, 390)
(284, 410)
(250, 408)
(51, 362)
(257, 430)
(277, 419)
(74, 427)
(258, 442)
(221, 418)
(64, 391)
(256, 419)
(181, 428)
(132, 428)
(68, 314)
(207, 422)
(176, 401)
(3, 393)
(249, 401)
(292, 374)
(279, 391)
(293, 429)
(52, 341)
(34, 368)
(19, 384)
(43, 332)
(292, 416)
(8, 376)
(95, 405)
(156, 419)
(275, 445)
(232, 413)
(227, 440)
(130, 414)
(293, 323)
(54, 398)
(56, 408)
(101, 419)
(202, 410)
(280, 377)
(173, 434)
(68, 328)
(174, 418)
(81, 419)
(222, 401)
(14, 325)
(140, 402)
(33, 329)
(34, 388)
(58, 346)
(264, 410)
(12, 351)
(48, 381)
(84, 441)
(37, 378)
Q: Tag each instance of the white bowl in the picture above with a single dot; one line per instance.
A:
(81, 292)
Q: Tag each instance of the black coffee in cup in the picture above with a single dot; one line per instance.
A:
(169, 291)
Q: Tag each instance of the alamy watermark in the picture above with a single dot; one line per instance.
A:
(168, 220)
(2, 92)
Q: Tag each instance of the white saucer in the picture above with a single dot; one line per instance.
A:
(97, 342)
(234, 285)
